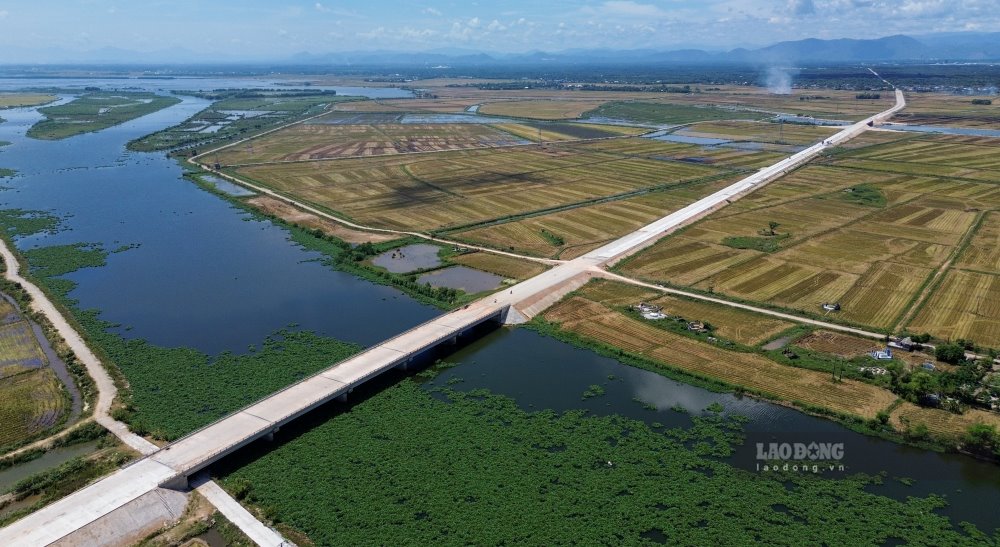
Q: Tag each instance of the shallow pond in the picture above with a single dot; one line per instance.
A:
(227, 187)
(462, 277)
(944, 130)
(410, 258)
(57, 456)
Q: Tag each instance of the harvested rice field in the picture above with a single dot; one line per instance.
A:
(326, 141)
(733, 324)
(868, 240)
(571, 233)
(965, 305)
(764, 132)
(752, 371)
(452, 189)
(940, 422)
(508, 267)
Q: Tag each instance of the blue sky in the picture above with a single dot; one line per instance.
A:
(271, 29)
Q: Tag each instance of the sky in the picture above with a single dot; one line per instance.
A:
(274, 29)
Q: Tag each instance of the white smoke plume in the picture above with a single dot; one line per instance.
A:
(779, 81)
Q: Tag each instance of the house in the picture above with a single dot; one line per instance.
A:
(834, 306)
(697, 326)
(881, 355)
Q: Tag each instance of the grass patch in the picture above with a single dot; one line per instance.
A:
(765, 244)
(863, 194)
(6, 173)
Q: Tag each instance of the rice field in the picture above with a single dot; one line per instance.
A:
(965, 305)
(705, 155)
(540, 109)
(949, 110)
(733, 324)
(752, 371)
(566, 131)
(983, 252)
(976, 158)
(766, 132)
(32, 402)
(508, 267)
(828, 247)
(444, 106)
(571, 233)
(318, 141)
(940, 422)
(451, 189)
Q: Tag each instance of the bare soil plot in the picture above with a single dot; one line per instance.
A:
(449, 189)
(837, 343)
(756, 372)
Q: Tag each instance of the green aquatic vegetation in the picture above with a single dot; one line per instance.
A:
(96, 111)
(21, 222)
(477, 469)
(593, 391)
(7, 173)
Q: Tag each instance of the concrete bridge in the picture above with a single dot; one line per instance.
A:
(71, 520)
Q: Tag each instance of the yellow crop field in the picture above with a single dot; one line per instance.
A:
(17, 100)
(734, 324)
(585, 228)
(509, 267)
(949, 109)
(983, 252)
(540, 109)
(317, 141)
(870, 251)
(965, 305)
(556, 132)
(448, 189)
(655, 149)
(760, 132)
(938, 421)
(752, 371)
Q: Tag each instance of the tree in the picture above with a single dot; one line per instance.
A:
(983, 438)
(772, 225)
(950, 353)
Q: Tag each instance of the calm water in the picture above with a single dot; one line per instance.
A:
(462, 277)
(967, 131)
(410, 258)
(57, 456)
(206, 275)
(192, 84)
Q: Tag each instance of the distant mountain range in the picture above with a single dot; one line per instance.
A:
(958, 47)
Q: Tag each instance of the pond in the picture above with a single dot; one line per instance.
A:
(461, 277)
(410, 258)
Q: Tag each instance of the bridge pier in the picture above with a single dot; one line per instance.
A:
(342, 398)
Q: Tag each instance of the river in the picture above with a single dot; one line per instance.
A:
(206, 274)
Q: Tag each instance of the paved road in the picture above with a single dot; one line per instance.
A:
(199, 449)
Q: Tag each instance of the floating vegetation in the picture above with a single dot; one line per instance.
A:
(476, 469)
